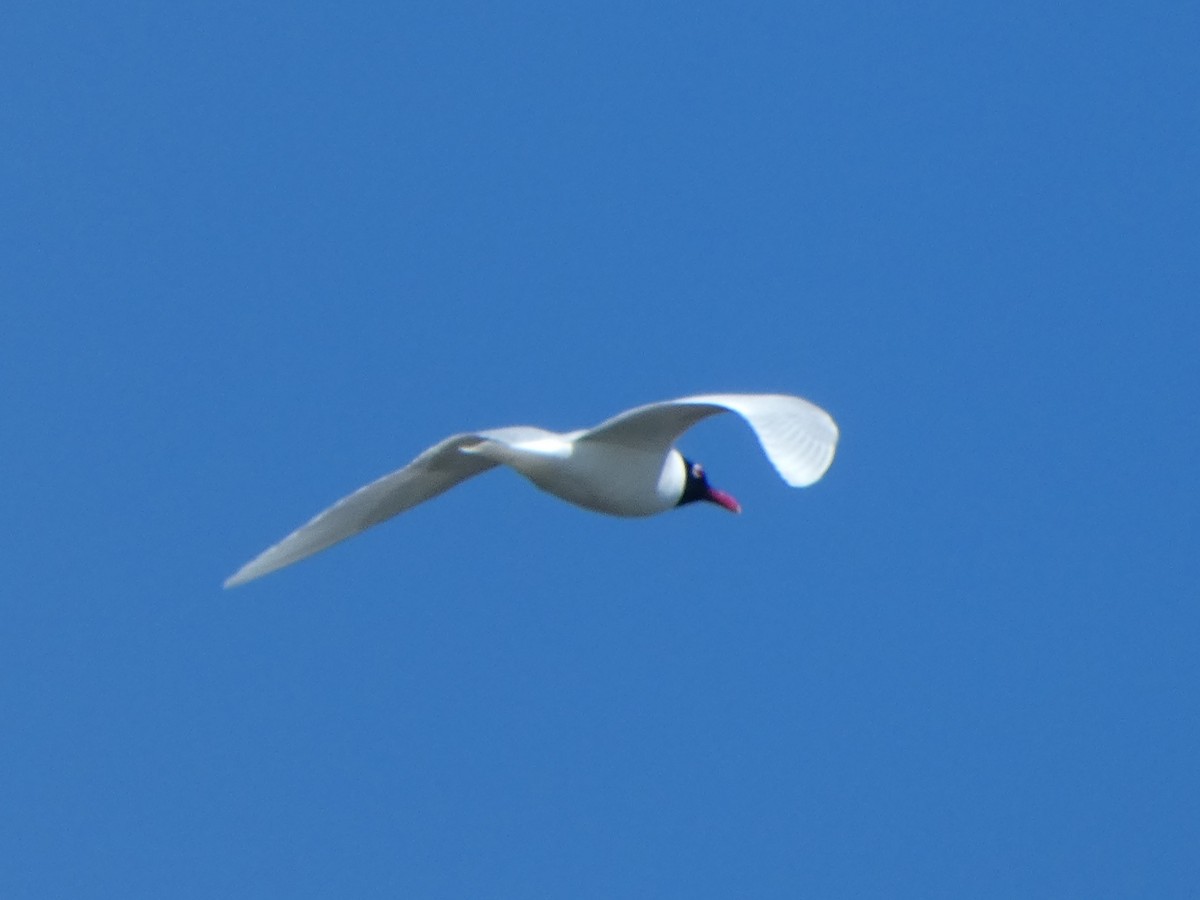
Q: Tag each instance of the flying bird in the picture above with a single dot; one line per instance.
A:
(625, 466)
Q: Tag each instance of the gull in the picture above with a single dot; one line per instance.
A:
(625, 466)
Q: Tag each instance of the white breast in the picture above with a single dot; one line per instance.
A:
(601, 477)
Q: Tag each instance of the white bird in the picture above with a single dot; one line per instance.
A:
(625, 466)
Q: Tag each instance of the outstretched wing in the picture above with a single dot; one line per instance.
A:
(798, 437)
(436, 470)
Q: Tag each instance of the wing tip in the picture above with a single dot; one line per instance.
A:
(237, 578)
(256, 568)
(809, 476)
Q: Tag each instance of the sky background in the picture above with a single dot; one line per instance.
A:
(255, 255)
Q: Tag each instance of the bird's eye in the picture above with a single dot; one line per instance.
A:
(698, 470)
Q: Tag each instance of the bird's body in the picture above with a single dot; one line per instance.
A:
(625, 466)
(620, 481)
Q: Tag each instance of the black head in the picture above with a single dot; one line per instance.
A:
(696, 487)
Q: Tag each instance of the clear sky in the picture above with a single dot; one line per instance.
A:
(255, 255)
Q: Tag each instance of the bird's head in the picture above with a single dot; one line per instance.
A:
(696, 487)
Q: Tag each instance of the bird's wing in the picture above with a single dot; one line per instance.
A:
(436, 470)
(798, 437)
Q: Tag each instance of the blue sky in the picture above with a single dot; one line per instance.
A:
(254, 256)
